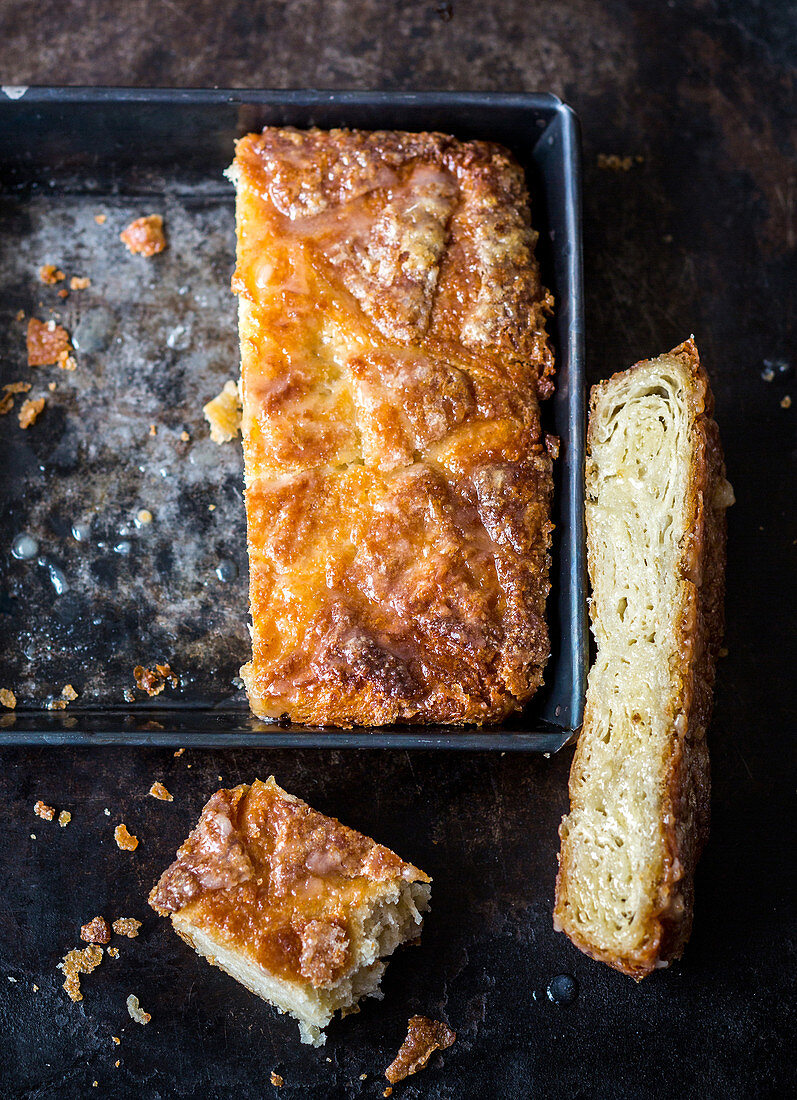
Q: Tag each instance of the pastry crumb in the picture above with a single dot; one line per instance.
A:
(424, 1037)
(179, 752)
(157, 790)
(785, 402)
(50, 274)
(101, 219)
(96, 931)
(63, 293)
(20, 315)
(125, 840)
(52, 386)
(137, 1013)
(113, 952)
(47, 343)
(68, 695)
(223, 414)
(116, 1039)
(30, 411)
(79, 282)
(153, 429)
(77, 962)
(41, 809)
(184, 436)
(153, 681)
(614, 163)
(7, 698)
(129, 695)
(64, 818)
(388, 1091)
(276, 1080)
(143, 517)
(145, 236)
(126, 926)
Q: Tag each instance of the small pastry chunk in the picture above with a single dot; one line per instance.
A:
(295, 906)
(145, 235)
(424, 1037)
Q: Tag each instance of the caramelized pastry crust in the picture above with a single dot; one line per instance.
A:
(398, 484)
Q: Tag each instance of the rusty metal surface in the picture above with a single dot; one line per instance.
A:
(698, 236)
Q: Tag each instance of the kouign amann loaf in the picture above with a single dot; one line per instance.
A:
(298, 908)
(639, 784)
(398, 483)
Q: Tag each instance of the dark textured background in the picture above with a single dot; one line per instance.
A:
(698, 237)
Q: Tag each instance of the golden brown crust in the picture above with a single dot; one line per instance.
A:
(277, 881)
(398, 485)
(685, 809)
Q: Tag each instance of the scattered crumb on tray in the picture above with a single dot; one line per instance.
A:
(153, 681)
(184, 436)
(78, 962)
(276, 1080)
(41, 809)
(7, 698)
(126, 926)
(157, 790)
(388, 1091)
(143, 517)
(48, 345)
(137, 1013)
(101, 219)
(785, 402)
(20, 315)
(613, 163)
(64, 818)
(96, 931)
(223, 414)
(179, 752)
(145, 235)
(50, 274)
(153, 429)
(113, 952)
(30, 411)
(68, 695)
(116, 1039)
(63, 293)
(125, 840)
(9, 390)
(424, 1037)
(79, 282)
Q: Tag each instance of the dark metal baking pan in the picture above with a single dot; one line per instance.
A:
(99, 594)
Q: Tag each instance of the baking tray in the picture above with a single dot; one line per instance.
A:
(155, 339)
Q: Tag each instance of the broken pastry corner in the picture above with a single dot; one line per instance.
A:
(295, 906)
(223, 413)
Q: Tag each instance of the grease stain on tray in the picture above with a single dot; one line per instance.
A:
(146, 354)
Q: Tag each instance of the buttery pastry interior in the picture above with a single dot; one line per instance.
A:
(295, 906)
(398, 482)
(639, 785)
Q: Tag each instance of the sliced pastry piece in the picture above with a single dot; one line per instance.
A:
(300, 909)
(398, 483)
(639, 785)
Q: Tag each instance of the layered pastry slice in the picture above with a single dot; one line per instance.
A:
(639, 785)
(300, 909)
(398, 483)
